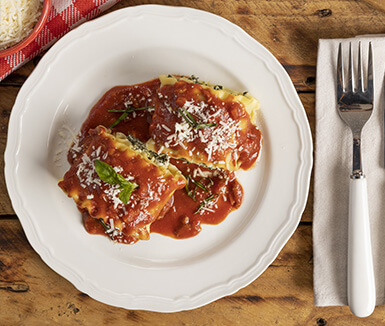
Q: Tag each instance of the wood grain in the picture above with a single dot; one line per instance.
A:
(290, 29)
(7, 98)
(379, 5)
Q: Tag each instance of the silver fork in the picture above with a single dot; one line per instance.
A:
(355, 106)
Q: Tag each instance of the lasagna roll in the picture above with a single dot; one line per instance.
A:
(107, 166)
(205, 124)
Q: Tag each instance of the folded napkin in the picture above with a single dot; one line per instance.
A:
(64, 16)
(332, 169)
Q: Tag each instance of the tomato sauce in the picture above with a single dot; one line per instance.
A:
(189, 209)
(210, 194)
(120, 98)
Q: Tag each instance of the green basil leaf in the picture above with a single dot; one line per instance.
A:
(125, 194)
(122, 181)
(106, 173)
(109, 175)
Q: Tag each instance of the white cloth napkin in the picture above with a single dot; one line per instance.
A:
(332, 169)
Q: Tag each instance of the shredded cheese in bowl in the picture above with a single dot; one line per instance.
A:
(17, 20)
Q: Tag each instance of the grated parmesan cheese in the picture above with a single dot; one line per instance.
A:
(219, 138)
(17, 20)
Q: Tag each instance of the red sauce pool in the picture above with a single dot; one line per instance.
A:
(186, 215)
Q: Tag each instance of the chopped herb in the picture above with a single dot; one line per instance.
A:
(131, 109)
(119, 120)
(153, 156)
(188, 117)
(189, 192)
(199, 184)
(195, 79)
(191, 121)
(218, 87)
(210, 180)
(106, 227)
(126, 112)
(110, 176)
(244, 93)
(206, 201)
(205, 125)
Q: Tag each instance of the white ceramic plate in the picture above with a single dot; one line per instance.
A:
(134, 45)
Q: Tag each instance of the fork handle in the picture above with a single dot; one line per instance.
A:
(361, 288)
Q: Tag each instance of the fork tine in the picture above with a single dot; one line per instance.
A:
(350, 87)
(340, 73)
(360, 86)
(370, 71)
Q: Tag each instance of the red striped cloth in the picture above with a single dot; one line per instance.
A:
(64, 16)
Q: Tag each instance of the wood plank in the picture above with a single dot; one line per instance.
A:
(376, 4)
(7, 99)
(303, 77)
(282, 295)
(290, 29)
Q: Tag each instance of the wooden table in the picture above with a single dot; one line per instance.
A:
(32, 294)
